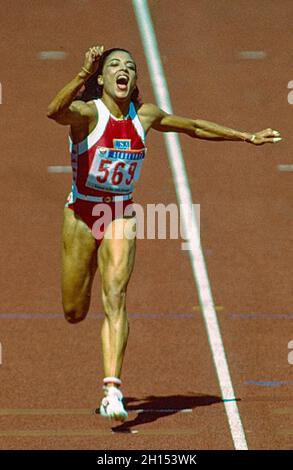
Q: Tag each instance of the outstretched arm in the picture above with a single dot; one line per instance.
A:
(198, 128)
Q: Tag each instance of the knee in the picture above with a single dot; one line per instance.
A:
(73, 315)
(114, 297)
(73, 318)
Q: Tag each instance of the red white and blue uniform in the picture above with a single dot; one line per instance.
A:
(106, 164)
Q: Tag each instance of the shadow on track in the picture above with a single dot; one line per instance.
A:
(159, 407)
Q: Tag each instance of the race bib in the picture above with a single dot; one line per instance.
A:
(115, 170)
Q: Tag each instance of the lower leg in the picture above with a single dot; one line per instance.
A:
(115, 331)
(116, 260)
(114, 334)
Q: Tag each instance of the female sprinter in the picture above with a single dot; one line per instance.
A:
(108, 126)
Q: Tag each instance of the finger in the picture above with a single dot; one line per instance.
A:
(276, 133)
(95, 56)
(90, 52)
(270, 133)
(273, 140)
(99, 49)
(96, 53)
(273, 132)
(93, 49)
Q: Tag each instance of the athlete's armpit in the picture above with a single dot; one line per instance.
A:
(153, 117)
(150, 116)
(78, 113)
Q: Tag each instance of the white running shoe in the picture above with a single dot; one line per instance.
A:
(112, 405)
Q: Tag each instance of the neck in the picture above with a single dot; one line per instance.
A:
(118, 109)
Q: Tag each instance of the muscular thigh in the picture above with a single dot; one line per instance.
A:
(78, 258)
(116, 253)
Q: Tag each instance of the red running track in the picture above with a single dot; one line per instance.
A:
(51, 370)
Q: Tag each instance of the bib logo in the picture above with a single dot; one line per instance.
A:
(122, 144)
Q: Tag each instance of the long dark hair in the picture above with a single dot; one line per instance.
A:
(92, 90)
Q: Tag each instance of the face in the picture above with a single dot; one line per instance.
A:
(119, 75)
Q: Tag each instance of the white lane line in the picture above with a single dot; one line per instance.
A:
(127, 431)
(98, 433)
(167, 410)
(80, 411)
(177, 164)
(252, 55)
(59, 169)
(52, 55)
(285, 167)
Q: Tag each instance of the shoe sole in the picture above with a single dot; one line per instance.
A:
(114, 417)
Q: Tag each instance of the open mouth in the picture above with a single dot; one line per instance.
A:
(122, 82)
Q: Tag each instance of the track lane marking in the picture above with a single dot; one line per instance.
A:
(81, 412)
(167, 316)
(285, 167)
(176, 160)
(52, 55)
(97, 433)
(253, 55)
(59, 169)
